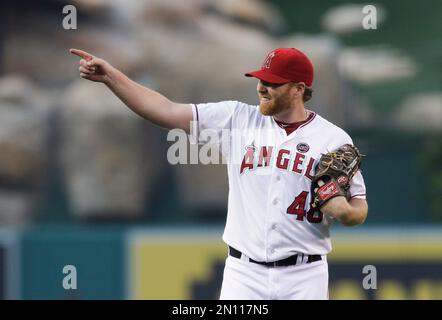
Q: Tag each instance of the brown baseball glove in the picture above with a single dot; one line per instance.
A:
(333, 174)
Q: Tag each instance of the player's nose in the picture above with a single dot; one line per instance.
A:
(261, 87)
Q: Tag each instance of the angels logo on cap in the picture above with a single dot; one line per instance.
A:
(268, 60)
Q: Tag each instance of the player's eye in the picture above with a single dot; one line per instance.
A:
(271, 85)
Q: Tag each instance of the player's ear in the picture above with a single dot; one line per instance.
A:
(301, 86)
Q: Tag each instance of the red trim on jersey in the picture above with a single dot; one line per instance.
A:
(309, 119)
(291, 127)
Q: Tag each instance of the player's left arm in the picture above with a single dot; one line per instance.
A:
(349, 213)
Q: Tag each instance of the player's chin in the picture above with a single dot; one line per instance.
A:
(266, 108)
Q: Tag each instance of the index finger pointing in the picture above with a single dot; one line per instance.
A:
(82, 54)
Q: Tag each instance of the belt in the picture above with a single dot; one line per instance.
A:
(290, 261)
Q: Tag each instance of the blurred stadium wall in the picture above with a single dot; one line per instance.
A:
(187, 263)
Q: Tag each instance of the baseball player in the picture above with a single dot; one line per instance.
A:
(277, 241)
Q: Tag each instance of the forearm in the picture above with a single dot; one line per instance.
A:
(349, 213)
(355, 213)
(147, 103)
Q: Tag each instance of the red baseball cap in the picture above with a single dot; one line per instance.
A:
(285, 65)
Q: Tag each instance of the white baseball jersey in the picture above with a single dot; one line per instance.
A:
(270, 174)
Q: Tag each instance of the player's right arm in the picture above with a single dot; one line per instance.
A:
(147, 103)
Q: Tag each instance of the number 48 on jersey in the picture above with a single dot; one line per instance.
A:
(298, 208)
